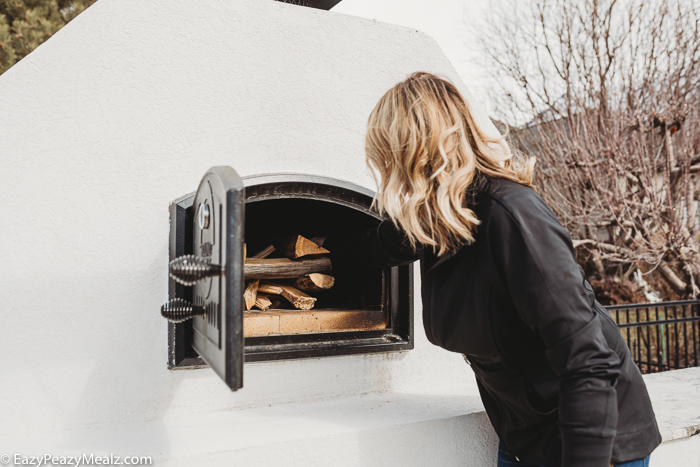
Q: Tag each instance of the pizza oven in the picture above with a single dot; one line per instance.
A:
(237, 293)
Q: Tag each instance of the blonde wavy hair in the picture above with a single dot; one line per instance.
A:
(425, 151)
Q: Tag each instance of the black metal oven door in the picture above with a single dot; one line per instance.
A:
(215, 273)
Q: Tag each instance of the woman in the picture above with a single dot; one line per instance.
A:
(500, 284)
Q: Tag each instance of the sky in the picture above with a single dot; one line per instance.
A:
(452, 23)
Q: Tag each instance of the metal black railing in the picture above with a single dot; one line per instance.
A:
(661, 336)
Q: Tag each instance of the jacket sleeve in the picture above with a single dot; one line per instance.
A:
(535, 258)
(383, 245)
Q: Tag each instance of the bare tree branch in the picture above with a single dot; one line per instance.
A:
(606, 94)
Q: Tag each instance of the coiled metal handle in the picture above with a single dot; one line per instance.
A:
(178, 310)
(190, 269)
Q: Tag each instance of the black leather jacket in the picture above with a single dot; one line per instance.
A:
(555, 376)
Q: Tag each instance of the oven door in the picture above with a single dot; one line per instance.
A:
(207, 281)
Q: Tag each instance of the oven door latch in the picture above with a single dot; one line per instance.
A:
(188, 270)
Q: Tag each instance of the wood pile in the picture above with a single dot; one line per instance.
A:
(299, 269)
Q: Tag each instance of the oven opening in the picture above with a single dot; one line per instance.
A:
(358, 299)
(368, 310)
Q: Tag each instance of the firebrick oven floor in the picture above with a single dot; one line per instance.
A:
(290, 322)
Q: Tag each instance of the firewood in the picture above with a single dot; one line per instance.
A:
(265, 302)
(264, 253)
(284, 268)
(250, 294)
(296, 297)
(314, 282)
(298, 246)
(277, 302)
(269, 288)
(245, 254)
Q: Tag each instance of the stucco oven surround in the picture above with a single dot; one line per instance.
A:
(123, 111)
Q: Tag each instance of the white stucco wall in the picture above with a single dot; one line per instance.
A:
(123, 111)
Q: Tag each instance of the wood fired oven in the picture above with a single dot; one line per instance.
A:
(367, 311)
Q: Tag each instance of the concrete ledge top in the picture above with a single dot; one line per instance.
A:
(448, 414)
(676, 399)
(237, 432)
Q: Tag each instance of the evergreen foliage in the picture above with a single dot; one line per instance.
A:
(26, 24)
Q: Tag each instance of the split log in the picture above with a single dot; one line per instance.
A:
(296, 297)
(298, 246)
(269, 288)
(250, 294)
(284, 268)
(264, 253)
(314, 282)
(265, 302)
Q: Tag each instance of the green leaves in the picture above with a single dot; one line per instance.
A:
(26, 24)
(8, 57)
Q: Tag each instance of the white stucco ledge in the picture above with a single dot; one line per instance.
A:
(442, 427)
(676, 399)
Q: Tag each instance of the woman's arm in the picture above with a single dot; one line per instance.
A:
(536, 260)
(383, 245)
